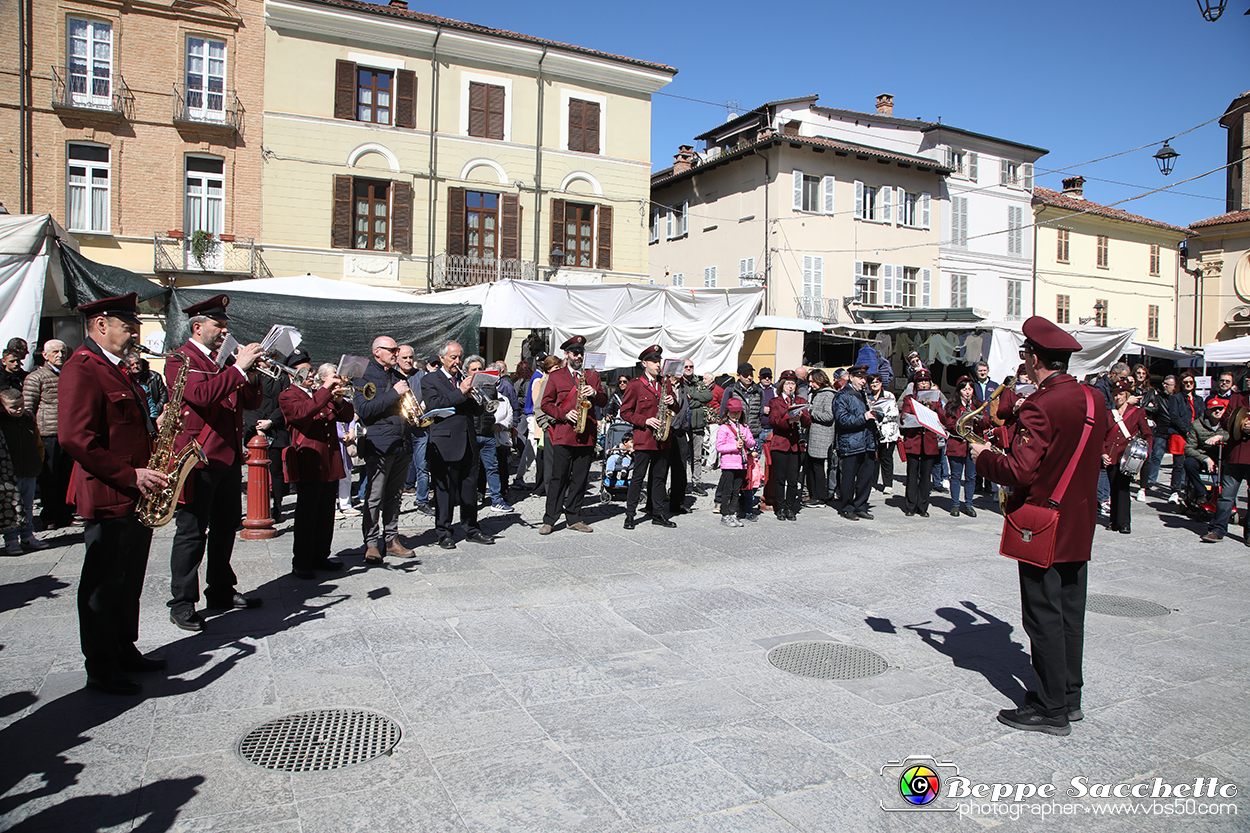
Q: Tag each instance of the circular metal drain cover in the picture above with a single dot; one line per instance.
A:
(1123, 606)
(319, 740)
(827, 660)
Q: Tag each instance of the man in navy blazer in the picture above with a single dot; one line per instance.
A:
(452, 452)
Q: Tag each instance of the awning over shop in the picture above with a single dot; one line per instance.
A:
(1181, 358)
(1233, 351)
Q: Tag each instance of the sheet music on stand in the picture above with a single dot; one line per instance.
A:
(352, 367)
(595, 361)
(672, 367)
(227, 349)
(281, 342)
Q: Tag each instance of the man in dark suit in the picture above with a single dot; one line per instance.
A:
(104, 426)
(211, 503)
(1048, 435)
(452, 451)
(386, 446)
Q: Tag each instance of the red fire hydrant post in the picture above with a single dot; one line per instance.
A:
(258, 525)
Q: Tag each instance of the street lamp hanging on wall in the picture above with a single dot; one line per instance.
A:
(1212, 9)
(1166, 157)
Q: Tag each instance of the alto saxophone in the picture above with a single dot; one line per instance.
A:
(664, 414)
(583, 404)
(157, 508)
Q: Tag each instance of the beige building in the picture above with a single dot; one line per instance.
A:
(137, 126)
(417, 152)
(1100, 265)
(1219, 252)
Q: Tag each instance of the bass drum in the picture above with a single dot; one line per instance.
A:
(1135, 456)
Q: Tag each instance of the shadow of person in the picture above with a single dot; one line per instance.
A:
(161, 802)
(13, 596)
(985, 647)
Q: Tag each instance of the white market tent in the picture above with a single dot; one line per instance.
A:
(1233, 351)
(312, 286)
(705, 325)
(27, 243)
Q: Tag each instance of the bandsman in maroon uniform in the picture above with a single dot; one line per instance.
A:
(1049, 429)
(640, 408)
(313, 462)
(103, 425)
(921, 447)
(1124, 421)
(211, 504)
(572, 452)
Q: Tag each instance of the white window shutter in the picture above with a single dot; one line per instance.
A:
(887, 285)
(859, 198)
(972, 166)
(709, 276)
(1002, 172)
(798, 190)
(886, 195)
(859, 273)
(670, 223)
(950, 157)
(826, 193)
(1028, 176)
(685, 218)
(807, 276)
(925, 277)
(924, 210)
(818, 276)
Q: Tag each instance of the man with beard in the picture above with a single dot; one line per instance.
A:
(571, 450)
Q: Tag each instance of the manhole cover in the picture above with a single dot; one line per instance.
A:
(1123, 606)
(319, 740)
(827, 660)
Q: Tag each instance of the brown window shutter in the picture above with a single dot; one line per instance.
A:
(401, 217)
(577, 117)
(495, 108)
(510, 227)
(477, 109)
(590, 140)
(557, 226)
(405, 98)
(603, 256)
(345, 90)
(341, 223)
(455, 221)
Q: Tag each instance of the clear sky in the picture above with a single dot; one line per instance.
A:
(1082, 79)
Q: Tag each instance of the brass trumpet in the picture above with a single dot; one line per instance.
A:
(274, 369)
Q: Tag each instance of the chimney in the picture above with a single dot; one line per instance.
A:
(398, 4)
(1074, 186)
(885, 105)
(684, 159)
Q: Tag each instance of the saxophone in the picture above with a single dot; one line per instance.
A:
(583, 405)
(157, 509)
(664, 414)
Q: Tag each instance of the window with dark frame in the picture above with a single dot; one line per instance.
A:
(583, 126)
(1063, 309)
(1065, 239)
(481, 224)
(1103, 258)
(486, 110)
(370, 214)
(1152, 323)
(579, 234)
(1154, 258)
(373, 95)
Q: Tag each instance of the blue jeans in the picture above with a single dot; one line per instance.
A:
(26, 490)
(490, 464)
(1104, 486)
(419, 470)
(963, 474)
(941, 470)
(1157, 450)
(1230, 484)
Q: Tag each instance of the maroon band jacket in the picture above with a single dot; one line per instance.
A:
(559, 397)
(640, 403)
(1135, 421)
(212, 407)
(315, 452)
(787, 428)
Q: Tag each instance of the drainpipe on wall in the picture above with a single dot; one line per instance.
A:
(538, 167)
(768, 252)
(23, 109)
(1034, 302)
(433, 184)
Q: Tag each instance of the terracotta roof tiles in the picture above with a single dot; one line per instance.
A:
(1223, 219)
(1058, 200)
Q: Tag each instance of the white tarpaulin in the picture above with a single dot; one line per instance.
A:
(311, 286)
(1233, 351)
(25, 252)
(705, 325)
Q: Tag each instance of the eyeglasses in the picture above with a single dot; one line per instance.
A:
(392, 349)
(689, 367)
(1024, 353)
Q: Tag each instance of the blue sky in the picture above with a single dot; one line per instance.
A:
(1081, 79)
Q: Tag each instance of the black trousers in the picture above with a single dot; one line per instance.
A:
(817, 479)
(314, 522)
(885, 464)
(858, 472)
(208, 522)
(1121, 498)
(570, 473)
(730, 484)
(113, 569)
(455, 481)
(53, 483)
(679, 453)
(787, 487)
(655, 464)
(919, 481)
(1052, 602)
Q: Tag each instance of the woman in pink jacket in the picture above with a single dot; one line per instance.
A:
(733, 441)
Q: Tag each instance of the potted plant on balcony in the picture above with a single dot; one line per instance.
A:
(201, 244)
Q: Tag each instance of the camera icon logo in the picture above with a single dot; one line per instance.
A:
(917, 784)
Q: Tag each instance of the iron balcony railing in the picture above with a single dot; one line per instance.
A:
(212, 108)
(815, 308)
(78, 88)
(225, 255)
(462, 270)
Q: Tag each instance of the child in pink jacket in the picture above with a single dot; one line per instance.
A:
(733, 441)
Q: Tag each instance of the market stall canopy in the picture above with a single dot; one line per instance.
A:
(705, 325)
(334, 317)
(1233, 351)
(1181, 358)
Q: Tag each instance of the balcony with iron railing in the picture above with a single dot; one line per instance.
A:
(222, 255)
(208, 108)
(77, 89)
(452, 271)
(815, 308)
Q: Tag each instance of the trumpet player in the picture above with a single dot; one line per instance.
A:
(963, 468)
(210, 506)
(569, 398)
(385, 445)
(314, 463)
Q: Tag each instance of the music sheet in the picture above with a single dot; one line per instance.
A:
(928, 418)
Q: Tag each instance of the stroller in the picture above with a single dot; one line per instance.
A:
(615, 482)
(1202, 495)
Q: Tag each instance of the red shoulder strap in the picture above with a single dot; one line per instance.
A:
(1071, 469)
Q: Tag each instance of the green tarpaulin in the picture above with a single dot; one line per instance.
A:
(86, 280)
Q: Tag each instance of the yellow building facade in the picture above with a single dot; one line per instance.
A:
(422, 153)
(1103, 266)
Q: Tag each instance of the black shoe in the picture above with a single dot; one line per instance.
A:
(700, 491)
(909, 513)
(1075, 714)
(849, 515)
(663, 522)
(1028, 719)
(425, 509)
(791, 515)
(954, 511)
(114, 684)
(865, 514)
(447, 543)
(138, 663)
(630, 523)
(188, 620)
(1124, 530)
(238, 601)
(300, 573)
(969, 511)
(477, 536)
(924, 513)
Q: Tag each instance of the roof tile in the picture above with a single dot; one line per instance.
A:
(1058, 200)
(1223, 219)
